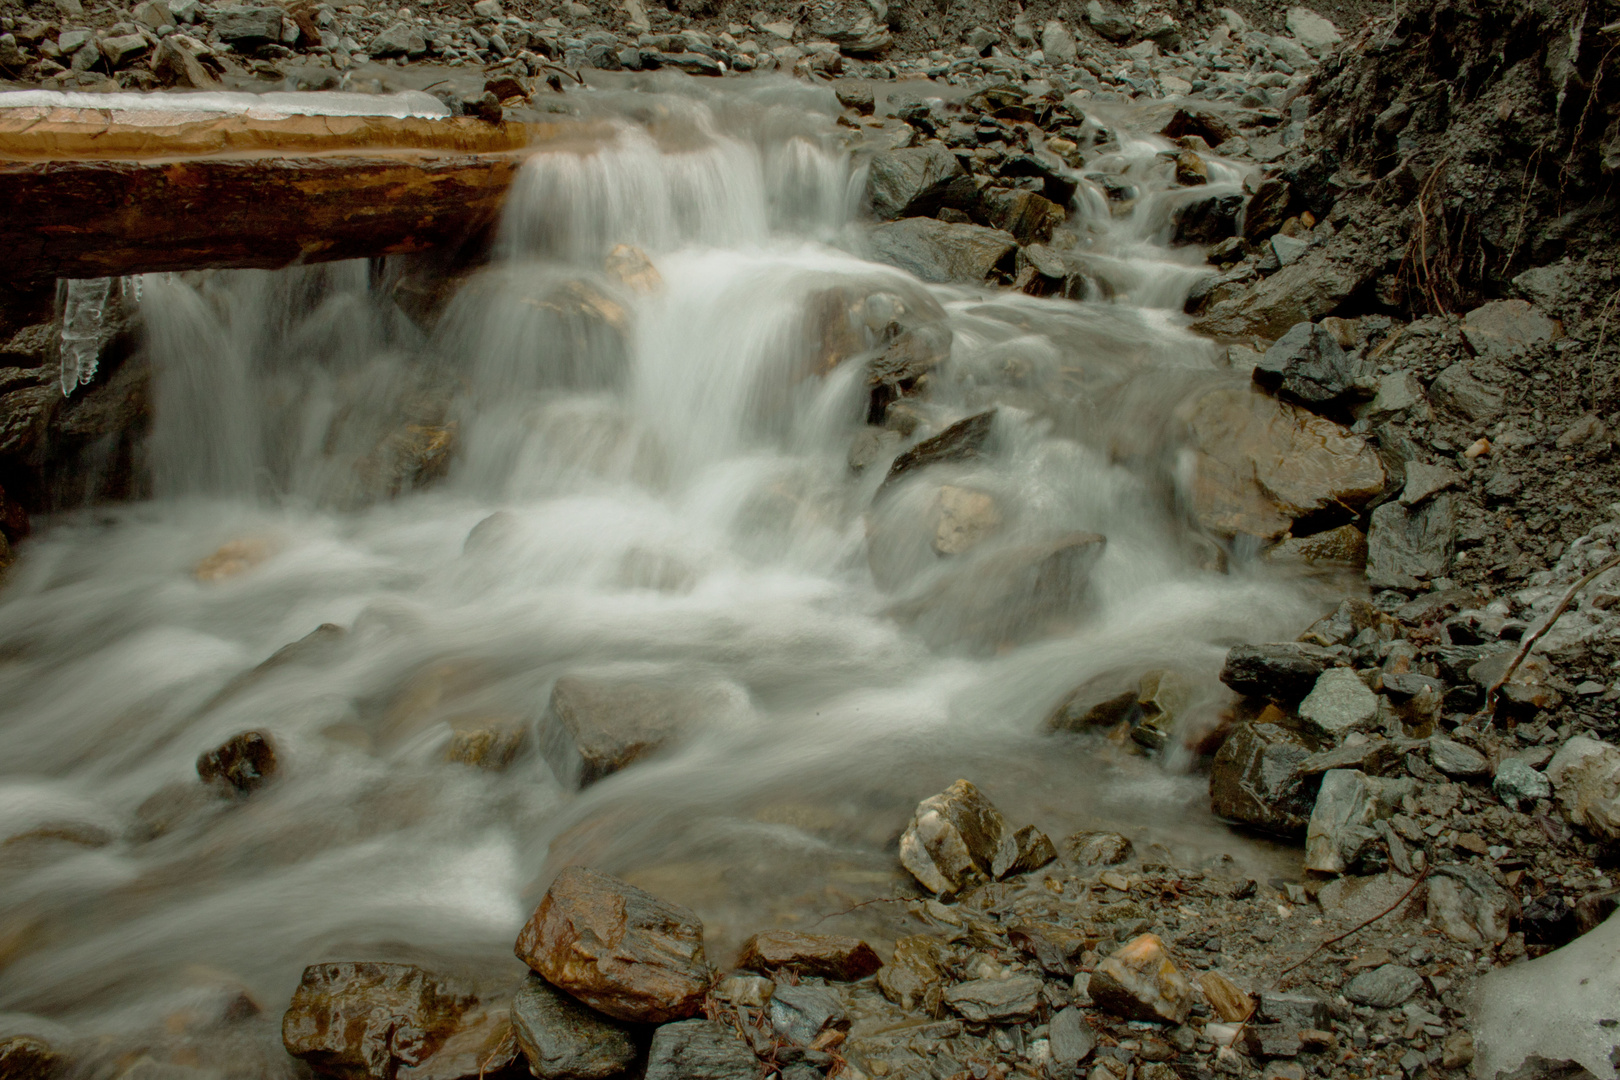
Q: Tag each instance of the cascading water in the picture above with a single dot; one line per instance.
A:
(649, 478)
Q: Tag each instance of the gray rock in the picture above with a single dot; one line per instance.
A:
(1341, 833)
(1308, 366)
(1312, 30)
(1425, 481)
(1108, 21)
(1383, 987)
(700, 1050)
(246, 26)
(596, 725)
(1255, 780)
(153, 14)
(401, 39)
(122, 49)
(1409, 545)
(957, 838)
(1517, 782)
(917, 182)
(1057, 43)
(1457, 759)
(1548, 286)
(996, 1000)
(1339, 703)
(1409, 684)
(1469, 906)
(1282, 671)
(801, 1013)
(1505, 328)
(1287, 249)
(71, 41)
(1071, 1038)
(1461, 390)
(964, 440)
(563, 1040)
(1585, 775)
(940, 252)
(1399, 395)
(1296, 1010)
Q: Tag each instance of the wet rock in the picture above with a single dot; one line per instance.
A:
(1457, 759)
(1058, 949)
(1030, 217)
(963, 519)
(1407, 546)
(1228, 1000)
(1266, 209)
(1190, 169)
(1281, 671)
(1071, 1038)
(1503, 329)
(366, 1020)
(801, 1013)
(826, 956)
(942, 252)
(1308, 366)
(563, 1040)
(962, 441)
(857, 98)
(913, 973)
(1339, 703)
(1341, 835)
(1585, 776)
(492, 743)
(999, 1001)
(24, 1057)
(1108, 21)
(1208, 124)
(1035, 850)
(1140, 982)
(1343, 546)
(1315, 286)
(1469, 906)
(620, 950)
(1594, 909)
(246, 762)
(596, 725)
(1259, 463)
(1093, 704)
(247, 26)
(917, 181)
(1383, 987)
(700, 1050)
(483, 1045)
(955, 839)
(1516, 782)
(1208, 219)
(1254, 779)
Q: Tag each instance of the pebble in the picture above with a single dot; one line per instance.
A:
(1385, 987)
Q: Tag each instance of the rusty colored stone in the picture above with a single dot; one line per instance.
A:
(911, 979)
(1141, 982)
(364, 1021)
(483, 1046)
(828, 956)
(1228, 1000)
(622, 951)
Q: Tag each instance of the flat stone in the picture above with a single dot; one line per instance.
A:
(401, 39)
(955, 839)
(1457, 759)
(1070, 1038)
(1339, 703)
(942, 252)
(563, 1040)
(1140, 982)
(1399, 395)
(700, 1050)
(801, 1013)
(620, 950)
(356, 1020)
(1504, 328)
(248, 25)
(1283, 671)
(1057, 949)
(122, 49)
(1424, 481)
(964, 440)
(1108, 21)
(1000, 1001)
(1287, 249)
(826, 956)
(1384, 987)
(1299, 1010)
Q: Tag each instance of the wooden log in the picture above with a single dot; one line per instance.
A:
(89, 197)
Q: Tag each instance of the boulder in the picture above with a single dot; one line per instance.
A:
(996, 1001)
(1308, 366)
(1307, 290)
(917, 181)
(1029, 216)
(1035, 850)
(247, 26)
(1340, 834)
(1339, 703)
(363, 1021)
(824, 956)
(941, 252)
(1503, 329)
(563, 1040)
(596, 725)
(1343, 546)
(955, 839)
(1585, 777)
(1408, 545)
(246, 762)
(914, 972)
(700, 1050)
(620, 950)
(1385, 987)
(1282, 671)
(24, 1057)
(1467, 904)
(1254, 779)
(1140, 982)
(1207, 219)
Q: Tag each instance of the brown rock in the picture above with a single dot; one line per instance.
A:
(911, 978)
(620, 950)
(957, 838)
(363, 1021)
(487, 742)
(482, 1046)
(1058, 949)
(1225, 997)
(827, 956)
(630, 266)
(597, 725)
(245, 762)
(1254, 778)
(1035, 850)
(23, 1057)
(1097, 848)
(232, 558)
(1140, 982)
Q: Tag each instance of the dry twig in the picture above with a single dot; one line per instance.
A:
(1530, 639)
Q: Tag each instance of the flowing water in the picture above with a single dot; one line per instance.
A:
(648, 481)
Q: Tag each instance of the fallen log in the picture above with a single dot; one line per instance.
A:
(93, 193)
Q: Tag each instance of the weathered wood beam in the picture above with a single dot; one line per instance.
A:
(99, 198)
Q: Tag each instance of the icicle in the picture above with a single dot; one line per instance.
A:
(84, 330)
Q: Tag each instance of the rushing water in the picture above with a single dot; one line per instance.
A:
(664, 485)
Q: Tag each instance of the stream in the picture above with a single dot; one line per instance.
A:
(649, 481)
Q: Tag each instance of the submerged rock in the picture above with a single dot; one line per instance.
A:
(246, 762)
(483, 1045)
(1097, 849)
(700, 1050)
(964, 440)
(596, 725)
(955, 839)
(23, 1057)
(563, 1040)
(826, 956)
(363, 1021)
(1140, 982)
(620, 950)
